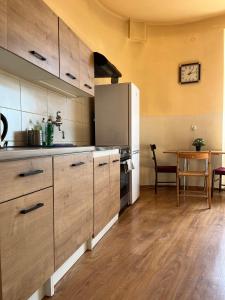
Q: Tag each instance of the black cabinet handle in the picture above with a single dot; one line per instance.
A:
(115, 160)
(31, 173)
(78, 164)
(37, 55)
(27, 210)
(88, 86)
(102, 164)
(71, 76)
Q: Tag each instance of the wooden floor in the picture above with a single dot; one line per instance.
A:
(155, 252)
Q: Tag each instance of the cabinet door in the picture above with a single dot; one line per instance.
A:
(101, 193)
(73, 203)
(69, 55)
(86, 69)
(114, 201)
(26, 250)
(32, 33)
(3, 23)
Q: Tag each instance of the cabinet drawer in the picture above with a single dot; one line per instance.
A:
(22, 177)
(26, 250)
(73, 203)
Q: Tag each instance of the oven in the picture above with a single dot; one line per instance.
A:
(124, 179)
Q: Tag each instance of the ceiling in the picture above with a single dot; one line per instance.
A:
(164, 11)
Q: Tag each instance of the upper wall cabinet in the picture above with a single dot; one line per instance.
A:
(33, 33)
(86, 69)
(3, 23)
(69, 55)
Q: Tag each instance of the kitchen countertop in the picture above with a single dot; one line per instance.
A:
(27, 152)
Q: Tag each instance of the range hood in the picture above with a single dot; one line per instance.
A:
(105, 69)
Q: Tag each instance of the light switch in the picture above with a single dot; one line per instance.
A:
(193, 127)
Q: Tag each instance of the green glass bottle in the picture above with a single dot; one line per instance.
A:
(49, 133)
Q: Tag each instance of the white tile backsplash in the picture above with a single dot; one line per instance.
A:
(56, 103)
(74, 110)
(34, 99)
(14, 124)
(22, 101)
(9, 92)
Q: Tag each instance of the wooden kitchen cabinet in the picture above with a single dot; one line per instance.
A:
(24, 176)
(101, 192)
(114, 203)
(26, 248)
(86, 69)
(32, 33)
(69, 55)
(73, 203)
(106, 190)
(3, 24)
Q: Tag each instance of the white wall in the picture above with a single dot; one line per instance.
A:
(174, 133)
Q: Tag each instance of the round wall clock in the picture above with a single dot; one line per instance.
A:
(189, 73)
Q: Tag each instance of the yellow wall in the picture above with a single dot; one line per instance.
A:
(154, 65)
(101, 31)
(168, 109)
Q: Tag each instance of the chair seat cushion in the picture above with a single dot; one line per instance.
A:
(167, 169)
(220, 171)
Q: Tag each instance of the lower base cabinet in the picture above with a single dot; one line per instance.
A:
(73, 203)
(106, 190)
(26, 244)
(114, 203)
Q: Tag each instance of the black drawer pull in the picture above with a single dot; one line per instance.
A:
(37, 55)
(88, 86)
(78, 164)
(31, 173)
(27, 210)
(115, 160)
(102, 164)
(71, 76)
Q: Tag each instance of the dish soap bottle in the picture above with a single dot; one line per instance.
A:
(49, 133)
(43, 129)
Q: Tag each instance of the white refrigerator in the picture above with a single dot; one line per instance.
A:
(117, 123)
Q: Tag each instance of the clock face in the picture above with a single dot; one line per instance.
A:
(189, 73)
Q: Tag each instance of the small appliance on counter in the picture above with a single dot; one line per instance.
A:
(3, 129)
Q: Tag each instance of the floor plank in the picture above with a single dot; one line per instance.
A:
(156, 251)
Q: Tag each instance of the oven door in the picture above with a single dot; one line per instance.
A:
(124, 186)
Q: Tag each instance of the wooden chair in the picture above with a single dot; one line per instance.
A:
(161, 169)
(198, 156)
(220, 172)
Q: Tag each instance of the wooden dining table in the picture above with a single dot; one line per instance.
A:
(212, 152)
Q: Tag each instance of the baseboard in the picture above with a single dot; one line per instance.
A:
(93, 242)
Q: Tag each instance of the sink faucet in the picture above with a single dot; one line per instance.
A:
(58, 120)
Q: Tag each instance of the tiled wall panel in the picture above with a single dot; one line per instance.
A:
(23, 102)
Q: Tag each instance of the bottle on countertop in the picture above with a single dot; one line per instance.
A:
(31, 125)
(30, 133)
(37, 135)
(49, 132)
(43, 129)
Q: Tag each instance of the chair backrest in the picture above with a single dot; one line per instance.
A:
(194, 155)
(153, 148)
